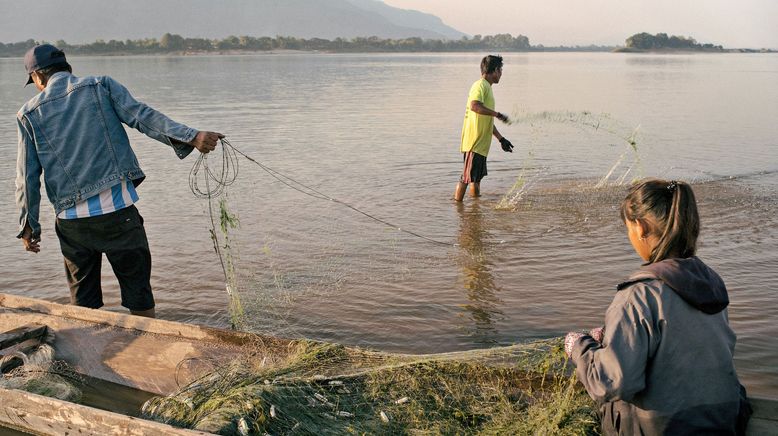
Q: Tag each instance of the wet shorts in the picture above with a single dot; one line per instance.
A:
(475, 167)
(121, 236)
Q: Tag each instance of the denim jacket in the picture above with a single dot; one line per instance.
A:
(72, 132)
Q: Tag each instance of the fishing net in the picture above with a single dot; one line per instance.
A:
(322, 388)
(287, 258)
(319, 388)
(308, 246)
(41, 374)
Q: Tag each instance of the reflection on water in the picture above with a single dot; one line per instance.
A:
(478, 280)
(659, 60)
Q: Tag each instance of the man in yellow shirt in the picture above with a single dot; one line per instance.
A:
(478, 127)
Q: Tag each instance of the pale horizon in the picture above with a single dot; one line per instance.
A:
(741, 24)
(751, 24)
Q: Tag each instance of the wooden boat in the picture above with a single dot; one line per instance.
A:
(143, 355)
(121, 350)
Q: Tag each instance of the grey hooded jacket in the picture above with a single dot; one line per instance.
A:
(665, 362)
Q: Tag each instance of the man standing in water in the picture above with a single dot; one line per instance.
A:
(478, 128)
(72, 133)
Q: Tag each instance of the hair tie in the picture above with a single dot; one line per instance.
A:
(673, 184)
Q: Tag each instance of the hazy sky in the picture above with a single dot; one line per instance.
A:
(732, 23)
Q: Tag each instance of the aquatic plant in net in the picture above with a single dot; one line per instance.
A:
(319, 388)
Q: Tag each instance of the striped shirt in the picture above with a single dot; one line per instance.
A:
(106, 201)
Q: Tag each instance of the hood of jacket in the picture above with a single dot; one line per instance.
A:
(690, 278)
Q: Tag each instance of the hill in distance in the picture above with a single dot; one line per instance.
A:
(82, 21)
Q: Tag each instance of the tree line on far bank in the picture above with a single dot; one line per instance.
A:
(504, 42)
(660, 41)
(170, 43)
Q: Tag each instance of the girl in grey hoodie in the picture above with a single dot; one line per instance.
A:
(663, 362)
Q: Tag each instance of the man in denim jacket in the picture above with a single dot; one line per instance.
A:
(72, 132)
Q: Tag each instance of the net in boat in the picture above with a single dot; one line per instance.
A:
(320, 388)
(41, 374)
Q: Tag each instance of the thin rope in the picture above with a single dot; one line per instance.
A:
(228, 175)
(311, 192)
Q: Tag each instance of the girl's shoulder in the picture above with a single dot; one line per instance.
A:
(640, 292)
(688, 279)
(640, 282)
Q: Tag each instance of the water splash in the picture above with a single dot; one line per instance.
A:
(618, 173)
(528, 177)
(633, 143)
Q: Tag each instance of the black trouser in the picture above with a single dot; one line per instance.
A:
(121, 236)
(475, 168)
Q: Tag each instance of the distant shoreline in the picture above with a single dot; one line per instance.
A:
(246, 52)
(688, 51)
(287, 52)
(177, 45)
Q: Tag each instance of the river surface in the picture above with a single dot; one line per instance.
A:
(539, 254)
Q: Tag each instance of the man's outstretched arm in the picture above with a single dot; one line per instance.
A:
(157, 125)
(479, 108)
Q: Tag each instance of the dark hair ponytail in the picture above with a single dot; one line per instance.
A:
(670, 210)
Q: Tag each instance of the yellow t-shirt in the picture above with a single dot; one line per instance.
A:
(477, 129)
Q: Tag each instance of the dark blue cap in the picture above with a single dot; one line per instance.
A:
(42, 56)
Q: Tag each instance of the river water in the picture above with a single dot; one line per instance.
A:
(381, 133)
